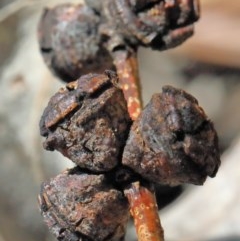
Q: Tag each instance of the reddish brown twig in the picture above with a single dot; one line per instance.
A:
(127, 70)
(144, 210)
(143, 205)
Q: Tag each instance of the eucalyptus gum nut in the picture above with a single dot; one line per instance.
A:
(79, 206)
(88, 122)
(70, 43)
(173, 141)
(156, 24)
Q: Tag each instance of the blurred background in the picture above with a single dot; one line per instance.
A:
(207, 66)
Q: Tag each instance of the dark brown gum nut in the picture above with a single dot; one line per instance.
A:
(182, 12)
(88, 122)
(156, 23)
(70, 43)
(83, 207)
(173, 141)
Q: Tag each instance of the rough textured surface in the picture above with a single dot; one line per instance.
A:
(173, 141)
(157, 24)
(69, 41)
(82, 207)
(215, 207)
(88, 122)
(201, 213)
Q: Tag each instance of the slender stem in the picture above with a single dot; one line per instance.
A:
(143, 208)
(127, 70)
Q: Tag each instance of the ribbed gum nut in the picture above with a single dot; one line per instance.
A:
(159, 24)
(182, 12)
(77, 206)
(173, 141)
(70, 43)
(88, 122)
(178, 13)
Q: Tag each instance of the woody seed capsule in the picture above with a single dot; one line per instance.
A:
(173, 141)
(83, 207)
(70, 43)
(159, 24)
(88, 122)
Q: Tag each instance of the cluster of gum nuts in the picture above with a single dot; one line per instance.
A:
(119, 155)
(171, 142)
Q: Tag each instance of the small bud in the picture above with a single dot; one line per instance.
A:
(173, 141)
